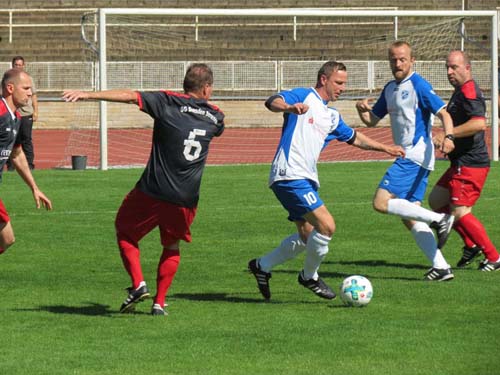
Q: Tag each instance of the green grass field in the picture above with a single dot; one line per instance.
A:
(62, 283)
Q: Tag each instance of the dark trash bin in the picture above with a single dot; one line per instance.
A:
(78, 162)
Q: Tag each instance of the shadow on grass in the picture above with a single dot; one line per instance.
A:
(365, 263)
(379, 263)
(91, 309)
(210, 297)
(217, 297)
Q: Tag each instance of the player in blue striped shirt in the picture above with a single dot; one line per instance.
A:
(309, 125)
(411, 103)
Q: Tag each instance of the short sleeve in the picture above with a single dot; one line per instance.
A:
(380, 107)
(428, 97)
(473, 104)
(153, 103)
(297, 95)
(342, 133)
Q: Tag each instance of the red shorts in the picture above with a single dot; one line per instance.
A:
(464, 184)
(4, 216)
(139, 214)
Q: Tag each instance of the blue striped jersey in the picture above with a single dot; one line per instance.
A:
(304, 136)
(411, 105)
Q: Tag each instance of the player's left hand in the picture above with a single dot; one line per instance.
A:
(74, 95)
(442, 143)
(438, 139)
(447, 146)
(42, 200)
(396, 151)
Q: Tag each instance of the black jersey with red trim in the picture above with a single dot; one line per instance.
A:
(468, 102)
(183, 129)
(9, 130)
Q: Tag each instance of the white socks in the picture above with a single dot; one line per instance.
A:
(289, 248)
(317, 248)
(424, 237)
(411, 211)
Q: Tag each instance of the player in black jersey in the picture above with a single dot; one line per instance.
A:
(460, 186)
(167, 193)
(16, 91)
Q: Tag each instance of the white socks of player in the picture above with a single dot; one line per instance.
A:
(289, 248)
(317, 248)
(424, 237)
(411, 211)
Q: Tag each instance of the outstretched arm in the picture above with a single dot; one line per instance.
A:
(366, 143)
(21, 164)
(122, 96)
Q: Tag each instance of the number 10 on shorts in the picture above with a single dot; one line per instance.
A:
(310, 198)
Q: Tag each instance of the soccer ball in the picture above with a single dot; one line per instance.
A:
(356, 291)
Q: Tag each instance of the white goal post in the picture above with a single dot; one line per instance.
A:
(277, 13)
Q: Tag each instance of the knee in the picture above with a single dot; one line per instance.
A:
(7, 242)
(327, 230)
(326, 227)
(379, 206)
(381, 201)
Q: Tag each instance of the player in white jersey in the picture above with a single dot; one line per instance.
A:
(309, 125)
(410, 102)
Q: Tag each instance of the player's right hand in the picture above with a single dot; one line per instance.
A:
(298, 108)
(364, 105)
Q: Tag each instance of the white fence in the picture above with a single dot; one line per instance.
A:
(237, 77)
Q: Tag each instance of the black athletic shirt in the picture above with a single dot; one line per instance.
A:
(183, 129)
(9, 129)
(468, 102)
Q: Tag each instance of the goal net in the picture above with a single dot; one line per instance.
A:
(254, 55)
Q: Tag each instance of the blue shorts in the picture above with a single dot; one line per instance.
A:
(406, 179)
(298, 197)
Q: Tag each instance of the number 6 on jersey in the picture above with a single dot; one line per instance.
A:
(192, 148)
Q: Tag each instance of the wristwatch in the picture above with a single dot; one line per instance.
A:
(451, 137)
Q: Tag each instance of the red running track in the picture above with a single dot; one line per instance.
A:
(235, 146)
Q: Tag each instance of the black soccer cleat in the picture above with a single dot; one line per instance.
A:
(318, 287)
(488, 266)
(134, 296)
(261, 277)
(157, 310)
(443, 229)
(469, 254)
(436, 274)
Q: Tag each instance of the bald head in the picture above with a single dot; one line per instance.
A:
(13, 76)
(458, 68)
(461, 55)
(16, 87)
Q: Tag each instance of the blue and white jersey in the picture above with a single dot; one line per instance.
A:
(304, 136)
(410, 105)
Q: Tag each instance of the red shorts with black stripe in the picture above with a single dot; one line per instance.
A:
(139, 214)
(464, 184)
(4, 216)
